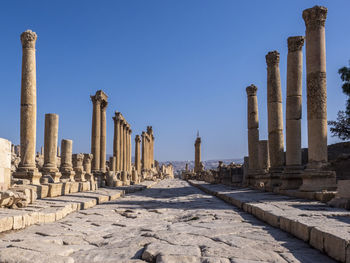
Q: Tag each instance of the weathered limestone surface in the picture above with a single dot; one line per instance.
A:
(181, 224)
(324, 228)
(264, 158)
(5, 164)
(275, 114)
(78, 160)
(253, 127)
(66, 160)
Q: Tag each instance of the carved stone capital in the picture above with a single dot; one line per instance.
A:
(295, 43)
(88, 157)
(251, 90)
(137, 138)
(315, 17)
(28, 39)
(272, 58)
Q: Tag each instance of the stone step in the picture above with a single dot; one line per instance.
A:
(323, 227)
(51, 209)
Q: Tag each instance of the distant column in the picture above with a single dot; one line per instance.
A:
(143, 159)
(137, 154)
(294, 104)
(275, 112)
(96, 133)
(253, 127)
(130, 149)
(103, 137)
(125, 127)
(197, 155)
(116, 141)
(315, 19)
(66, 160)
(27, 167)
(50, 147)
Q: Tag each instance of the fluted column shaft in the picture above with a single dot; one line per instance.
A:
(294, 103)
(96, 134)
(103, 138)
(253, 127)
(28, 101)
(315, 19)
(275, 112)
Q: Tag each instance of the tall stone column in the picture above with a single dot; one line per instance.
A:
(137, 154)
(130, 150)
(253, 128)
(152, 151)
(50, 147)
(275, 112)
(120, 144)
(264, 159)
(116, 141)
(314, 177)
(197, 155)
(66, 160)
(294, 104)
(143, 159)
(103, 137)
(96, 133)
(27, 168)
(125, 147)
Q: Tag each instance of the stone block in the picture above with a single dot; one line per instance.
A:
(55, 189)
(286, 224)
(66, 188)
(18, 222)
(89, 204)
(126, 183)
(272, 219)
(6, 223)
(300, 230)
(316, 238)
(335, 246)
(115, 196)
(49, 217)
(5, 164)
(74, 187)
(343, 187)
(31, 219)
(103, 199)
(84, 186)
(41, 190)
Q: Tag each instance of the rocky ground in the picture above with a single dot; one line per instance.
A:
(171, 222)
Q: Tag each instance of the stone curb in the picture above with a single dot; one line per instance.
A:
(329, 240)
(51, 214)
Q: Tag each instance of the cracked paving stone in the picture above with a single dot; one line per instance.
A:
(171, 222)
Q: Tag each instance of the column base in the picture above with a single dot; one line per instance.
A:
(68, 175)
(318, 180)
(31, 174)
(291, 178)
(79, 176)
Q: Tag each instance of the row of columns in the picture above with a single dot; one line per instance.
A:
(312, 178)
(122, 143)
(147, 149)
(98, 131)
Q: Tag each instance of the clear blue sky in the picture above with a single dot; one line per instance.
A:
(178, 65)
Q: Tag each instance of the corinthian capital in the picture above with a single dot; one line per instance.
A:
(28, 39)
(295, 43)
(315, 17)
(251, 90)
(272, 58)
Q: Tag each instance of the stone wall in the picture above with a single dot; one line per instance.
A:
(5, 164)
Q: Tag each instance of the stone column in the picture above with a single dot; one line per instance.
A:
(253, 128)
(125, 147)
(103, 137)
(78, 160)
(152, 151)
(27, 168)
(143, 159)
(42, 150)
(137, 154)
(121, 146)
(275, 112)
(66, 160)
(294, 104)
(112, 164)
(96, 133)
(116, 141)
(314, 177)
(315, 19)
(87, 168)
(197, 155)
(50, 147)
(58, 151)
(130, 150)
(264, 159)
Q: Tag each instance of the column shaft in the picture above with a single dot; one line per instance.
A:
(96, 134)
(50, 146)
(137, 154)
(103, 138)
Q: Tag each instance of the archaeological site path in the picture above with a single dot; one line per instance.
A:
(171, 222)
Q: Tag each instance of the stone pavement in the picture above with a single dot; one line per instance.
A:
(323, 227)
(171, 222)
(48, 210)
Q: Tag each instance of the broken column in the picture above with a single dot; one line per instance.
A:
(137, 154)
(87, 167)
(291, 178)
(50, 147)
(66, 160)
(27, 168)
(78, 160)
(253, 128)
(314, 178)
(275, 113)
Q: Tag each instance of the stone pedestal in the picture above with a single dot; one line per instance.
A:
(66, 160)
(27, 168)
(342, 198)
(50, 147)
(78, 167)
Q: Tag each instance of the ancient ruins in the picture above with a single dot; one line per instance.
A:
(282, 204)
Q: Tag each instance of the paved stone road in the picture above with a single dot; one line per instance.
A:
(172, 222)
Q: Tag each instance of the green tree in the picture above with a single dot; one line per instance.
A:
(341, 127)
